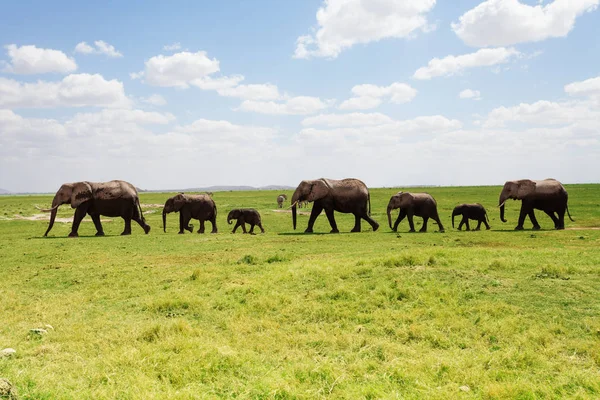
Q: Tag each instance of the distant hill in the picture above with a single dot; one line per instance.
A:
(231, 188)
(4, 191)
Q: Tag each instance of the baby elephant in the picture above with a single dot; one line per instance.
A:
(244, 216)
(199, 206)
(470, 211)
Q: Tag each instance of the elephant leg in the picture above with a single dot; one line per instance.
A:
(536, 225)
(436, 218)
(252, 229)
(401, 216)
(97, 224)
(561, 218)
(237, 224)
(424, 227)
(316, 210)
(487, 226)
(138, 218)
(213, 221)
(478, 224)
(522, 214)
(467, 224)
(554, 218)
(184, 222)
(356, 223)
(127, 229)
(371, 221)
(462, 222)
(331, 218)
(411, 223)
(201, 229)
(79, 214)
(261, 227)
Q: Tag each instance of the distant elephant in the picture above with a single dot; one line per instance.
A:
(280, 199)
(111, 199)
(199, 206)
(245, 216)
(413, 204)
(346, 196)
(547, 195)
(470, 211)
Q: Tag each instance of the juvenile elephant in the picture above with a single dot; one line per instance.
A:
(547, 195)
(111, 199)
(413, 204)
(346, 196)
(281, 199)
(245, 216)
(470, 211)
(199, 206)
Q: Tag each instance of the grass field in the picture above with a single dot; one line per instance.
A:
(485, 315)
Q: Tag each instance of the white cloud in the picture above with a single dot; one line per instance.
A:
(29, 60)
(508, 22)
(101, 48)
(589, 87)
(344, 23)
(352, 119)
(155, 100)
(369, 96)
(223, 82)
(470, 94)
(136, 75)
(172, 47)
(251, 92)
(451, 65)
(77, 90)
(179, 69)
(300, 105)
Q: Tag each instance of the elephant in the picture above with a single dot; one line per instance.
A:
(547, 195)
(346, 196)
(280, 199)
(471, 211)
(244, 216)
(413, 204)
(200, 207)
(111, 199)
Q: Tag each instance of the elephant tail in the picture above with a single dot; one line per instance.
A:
(486, 216)
(568, 213)
(139, 206)
(369, 201)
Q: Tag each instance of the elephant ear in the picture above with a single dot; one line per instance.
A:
(526, 188)
(405, 200)
(82, 192)
(179, 201)
(318, 190)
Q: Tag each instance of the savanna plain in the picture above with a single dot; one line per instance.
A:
(475, 315)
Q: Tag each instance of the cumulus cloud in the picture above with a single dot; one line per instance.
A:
(76, 90)
(589, 87)
(370, 96)
(30, 60)
(451, 65)
(300, 105)
(508, 22)
(344, 23)
(101, 47)
(352, 119)
(470, 94)
(179, 69)
(155, 100)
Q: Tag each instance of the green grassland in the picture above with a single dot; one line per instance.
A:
(287, 315)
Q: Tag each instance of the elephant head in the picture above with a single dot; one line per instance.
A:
(399, 200)
(233, 214)
(284, 196)
(516, 190)
(308, 191)
(73, 193)
(457, 211)
(173, 204)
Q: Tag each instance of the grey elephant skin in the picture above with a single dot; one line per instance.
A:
(281, 199)
(547, 195)
(245, 216)
(110, 199)
(411, 205)
(199, 206)
(346, 196)
(473, 211)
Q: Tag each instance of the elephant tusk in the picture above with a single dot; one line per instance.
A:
(502, 204)
(48, 209)
(292, 206)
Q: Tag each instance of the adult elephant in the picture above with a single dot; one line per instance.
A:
(547, 195)
(200, 207)
(110, 199)
(281, 199)
(346, 196)
(413, 204)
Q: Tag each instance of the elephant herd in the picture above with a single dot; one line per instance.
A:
(120, 199)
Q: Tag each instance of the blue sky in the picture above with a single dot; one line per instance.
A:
(188, 94)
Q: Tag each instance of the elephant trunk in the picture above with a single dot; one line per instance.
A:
(295, 200)
(389, 215)
(229, 218)
(501, 201)
(453, 215)
(54, 211)
(164, 220)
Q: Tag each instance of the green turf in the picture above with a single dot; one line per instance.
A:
(287, 315)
